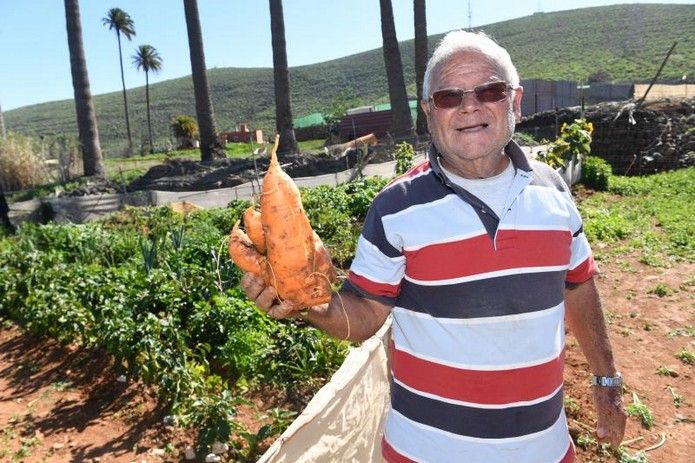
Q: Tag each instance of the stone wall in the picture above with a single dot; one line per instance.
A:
(662, 136)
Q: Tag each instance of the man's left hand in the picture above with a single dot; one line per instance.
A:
(611, 415)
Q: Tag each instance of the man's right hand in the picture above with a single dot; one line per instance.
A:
(266, 297)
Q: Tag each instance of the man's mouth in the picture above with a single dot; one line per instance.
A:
(472, 128)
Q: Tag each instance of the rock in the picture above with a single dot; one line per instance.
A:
(218, 448)
(169, 420)
(57, 446)
(122, 379)
(157, 452)
(190, 453)
(212, 458)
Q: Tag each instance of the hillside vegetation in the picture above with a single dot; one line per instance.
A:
(626, 41)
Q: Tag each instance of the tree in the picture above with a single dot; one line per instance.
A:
(121, 22)
(147, 58)
(402, 123)
(185, 130)
(421, 53)
(281, 79)
(210, 147)
(5, 214)
(86, 118)
(3, 133)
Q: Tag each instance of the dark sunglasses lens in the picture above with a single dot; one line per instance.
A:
(447, 98)
(491, 93)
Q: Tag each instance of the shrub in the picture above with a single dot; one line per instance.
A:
(185, 129)
(404, 157)
(574, 143)
(21, 164)
(596, 173)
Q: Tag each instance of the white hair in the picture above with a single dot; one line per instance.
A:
(477, 42)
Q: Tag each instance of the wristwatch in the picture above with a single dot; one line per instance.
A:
(607, 381)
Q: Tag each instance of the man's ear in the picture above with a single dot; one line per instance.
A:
(425, 107)
(518, 93)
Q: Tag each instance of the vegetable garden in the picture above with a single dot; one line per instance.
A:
(155, 290)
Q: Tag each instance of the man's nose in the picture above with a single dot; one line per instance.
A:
(469, 102)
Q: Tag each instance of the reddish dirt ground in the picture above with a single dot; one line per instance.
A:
(61, 404)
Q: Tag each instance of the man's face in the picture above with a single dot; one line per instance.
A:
(473, 130)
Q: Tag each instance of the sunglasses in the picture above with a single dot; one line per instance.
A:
(486, 93)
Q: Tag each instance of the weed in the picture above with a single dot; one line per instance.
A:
(626, 332)
(586, 441)
(648, 326)
(661, 290)
(685, 356)
(678, 400)
(666, 371)
(639, 409)
(688, 331)
(625, 457)
(572, 408)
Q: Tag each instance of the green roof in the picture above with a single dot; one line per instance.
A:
(387, 106)
(307, 121)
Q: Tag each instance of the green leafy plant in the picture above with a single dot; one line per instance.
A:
(685, 356)
(666, 371)
(661, 290)
(404, 157)
(596, 173)
(639, 409)
(574, 143)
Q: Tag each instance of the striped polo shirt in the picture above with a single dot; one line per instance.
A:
(478, 334)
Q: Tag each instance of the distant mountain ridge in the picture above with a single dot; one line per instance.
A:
(628, 42)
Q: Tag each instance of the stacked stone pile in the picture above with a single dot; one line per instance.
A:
(658, 136)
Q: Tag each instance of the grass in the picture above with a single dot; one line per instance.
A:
(626, 41)
(650, 216)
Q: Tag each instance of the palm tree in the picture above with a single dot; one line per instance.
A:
(86, 118)
(121, 22)
(5, 214)
(147, 58)
(2, 125)
(281, 78)
(402, 123)
(210, 147)
(420, 17)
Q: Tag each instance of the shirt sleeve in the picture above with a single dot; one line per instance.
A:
(379, 265)
(582, 265)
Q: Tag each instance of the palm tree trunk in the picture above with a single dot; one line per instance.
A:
(402, 122)
(4, 214)
(3, 133)
(421, 53)
(281, 79)
(210, 147)
(149, 120)
(125, 98)
(86, 118)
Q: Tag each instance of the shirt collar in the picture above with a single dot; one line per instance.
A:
(512, 150)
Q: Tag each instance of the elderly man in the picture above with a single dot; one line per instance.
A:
(479, 255)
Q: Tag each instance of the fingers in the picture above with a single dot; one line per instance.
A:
(265, 297)
(611, 415)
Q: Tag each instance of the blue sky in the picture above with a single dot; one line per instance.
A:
(34, 51)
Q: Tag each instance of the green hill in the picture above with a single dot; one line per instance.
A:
(626, 41)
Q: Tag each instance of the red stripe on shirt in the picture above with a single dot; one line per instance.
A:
(390, 454)
(477, 386)
(583, 271)
(372, 287)
(570, 455)
(515, 249)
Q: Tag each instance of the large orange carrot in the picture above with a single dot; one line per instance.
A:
(296, 262)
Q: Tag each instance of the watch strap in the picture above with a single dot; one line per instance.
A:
(607, 381)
